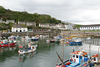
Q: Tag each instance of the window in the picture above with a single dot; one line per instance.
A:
(80, 57)
(76, 56)
(73, 55)
(16, 30)
(94, 59)
(20, 30)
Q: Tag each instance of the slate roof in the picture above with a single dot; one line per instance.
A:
(90, 25)
(18, 26)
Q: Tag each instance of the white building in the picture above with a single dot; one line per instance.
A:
(21, 22)
(69, 27)
(19, 28)
(1, 21)
(31, 24)
(52, 26)
(90, 27)
(7, 21)
(59, 25)
(44, 25)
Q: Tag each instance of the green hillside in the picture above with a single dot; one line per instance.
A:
(7, 14)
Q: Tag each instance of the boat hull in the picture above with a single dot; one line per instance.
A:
(75, 43)
(34, 39)
(8, 45)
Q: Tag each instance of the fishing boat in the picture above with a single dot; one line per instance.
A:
(18, 37)
(78, 59)
(73, 41)
(5, 43)
(34, 38)
(12, 38)
(24, 50)
(94, 58)
(53, 41)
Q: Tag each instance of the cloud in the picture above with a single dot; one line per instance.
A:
(75, 11)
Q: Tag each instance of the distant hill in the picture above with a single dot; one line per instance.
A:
(7, 14)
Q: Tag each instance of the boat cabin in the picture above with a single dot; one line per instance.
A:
(79, 56)
(94, 58)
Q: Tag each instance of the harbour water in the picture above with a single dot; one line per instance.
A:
(45, 55)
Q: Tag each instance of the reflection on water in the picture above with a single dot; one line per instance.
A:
(45, 56)
(7, 52)
(95, 41)
(23, 57)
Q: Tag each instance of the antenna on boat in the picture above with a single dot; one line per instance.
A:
(73, 49)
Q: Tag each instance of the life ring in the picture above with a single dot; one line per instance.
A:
(76, 52)
(74, 60)
(84, 53)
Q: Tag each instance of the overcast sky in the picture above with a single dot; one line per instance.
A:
(74, 11)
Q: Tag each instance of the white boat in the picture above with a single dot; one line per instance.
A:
(31, 48)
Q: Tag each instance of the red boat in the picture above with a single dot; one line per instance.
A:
(8, 45)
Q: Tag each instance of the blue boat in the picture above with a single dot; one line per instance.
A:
(34, 38)
(75, 43)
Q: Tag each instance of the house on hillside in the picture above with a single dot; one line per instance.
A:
(19, 28)
(21, 22)
(52, 26)
(12, 21)
(69, 27)
(46, 25)
(1, 21)
(60, 26)
(90, 27)
(31, 24)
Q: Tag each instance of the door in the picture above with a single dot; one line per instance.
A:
(80, 59)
